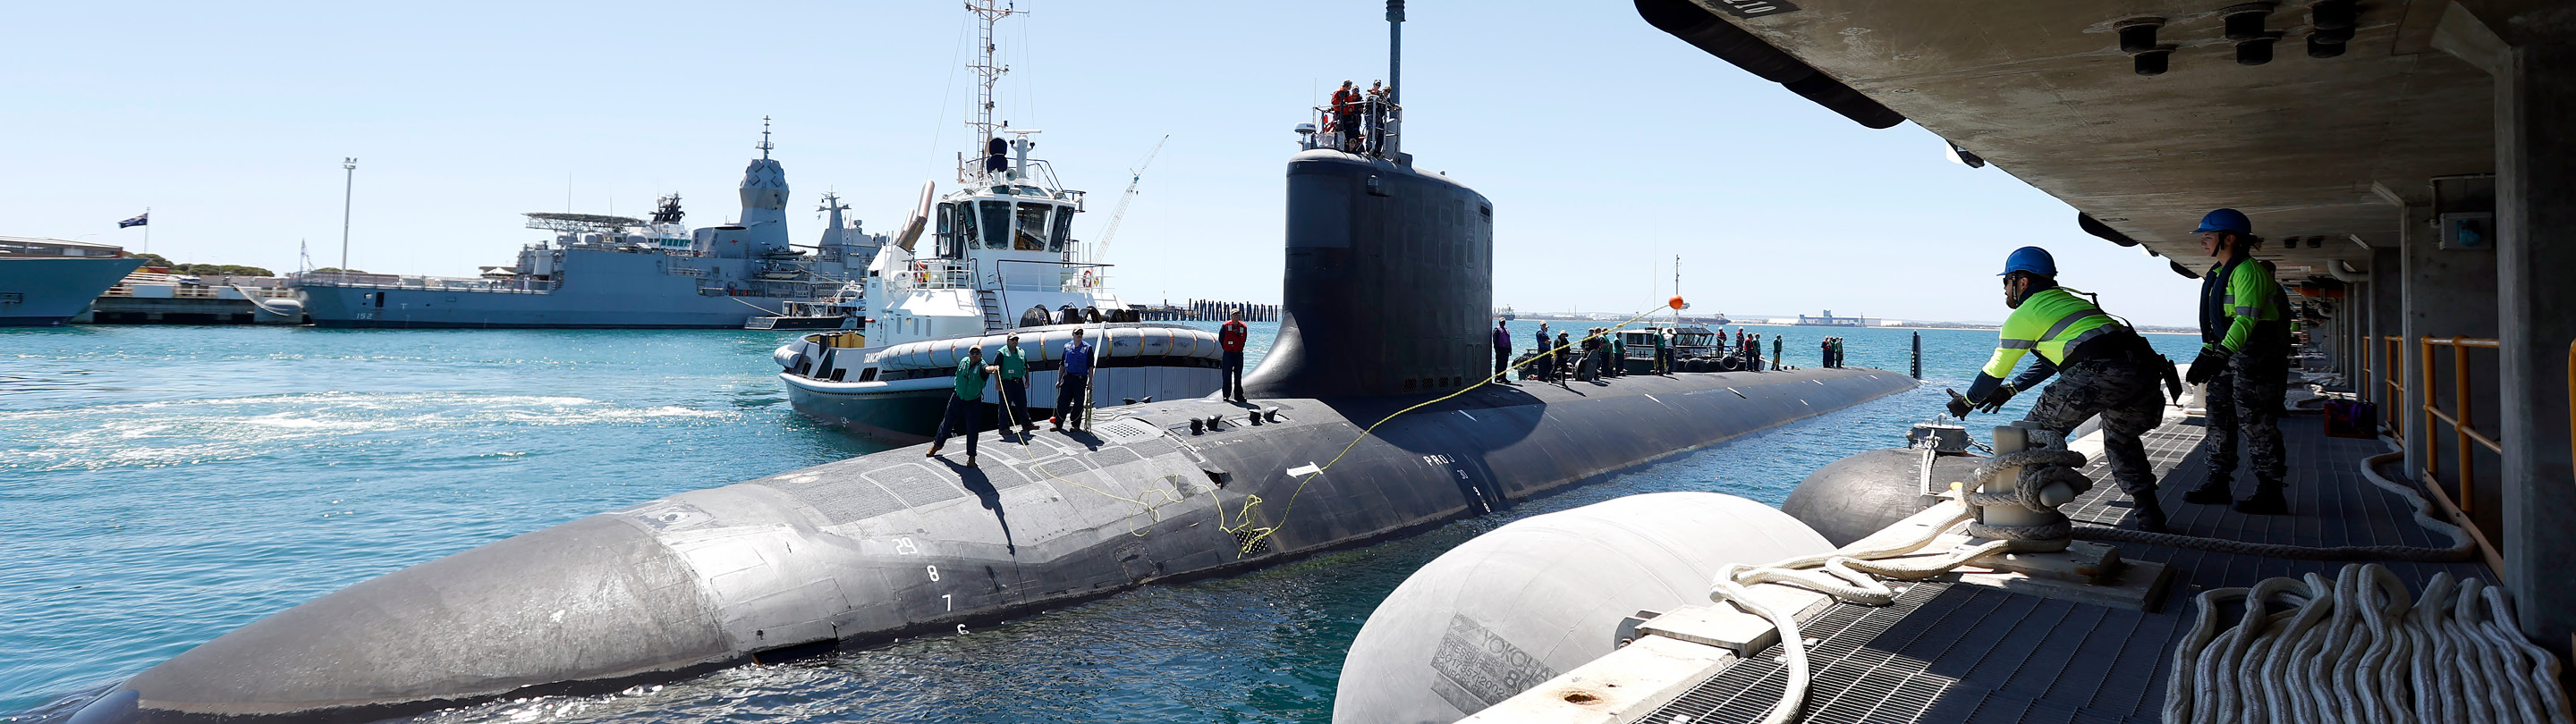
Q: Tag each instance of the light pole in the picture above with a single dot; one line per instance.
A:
(349, 187)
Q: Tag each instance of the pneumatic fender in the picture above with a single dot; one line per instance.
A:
(1851, 498)
(1531, 600)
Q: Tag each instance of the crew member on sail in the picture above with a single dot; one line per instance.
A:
(2244, 356)
(2104, 368)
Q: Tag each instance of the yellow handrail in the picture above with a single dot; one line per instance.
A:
(2392, 357)
(2459, 421)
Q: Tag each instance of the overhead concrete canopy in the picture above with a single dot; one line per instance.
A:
(2320, 152)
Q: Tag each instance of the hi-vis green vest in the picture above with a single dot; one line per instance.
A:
(2240, 304)
(2050, 322)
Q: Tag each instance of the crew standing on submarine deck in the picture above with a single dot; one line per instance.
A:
(1502, 350)
(2244, 356)
(965, 406)
(2103, 367)
(1544, 360)
(1013, 367)
(1072, 383)
(1618, 356)
(1230, 338)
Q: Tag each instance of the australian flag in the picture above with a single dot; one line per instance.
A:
(144, 218)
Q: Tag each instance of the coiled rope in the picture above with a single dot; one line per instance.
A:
(2355, 649)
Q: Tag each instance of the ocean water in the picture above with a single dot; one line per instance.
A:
(160, 486)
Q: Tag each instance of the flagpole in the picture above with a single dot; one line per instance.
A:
(147, 230)
(348, 188)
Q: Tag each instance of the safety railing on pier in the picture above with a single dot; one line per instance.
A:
(2464, 431)
(2457, 494)
(2392, 374)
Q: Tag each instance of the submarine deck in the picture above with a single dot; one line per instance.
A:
(1953, 652)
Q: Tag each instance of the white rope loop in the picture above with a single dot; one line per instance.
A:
(2360, 649)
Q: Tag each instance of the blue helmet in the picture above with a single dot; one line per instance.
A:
(2030, 259)
(2225, 220)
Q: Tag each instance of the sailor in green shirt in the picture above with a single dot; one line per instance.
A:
(2245, 359)
(2103, 368)
(1013, 368)
(965, 405)
(1618, 356)
(1663, 352)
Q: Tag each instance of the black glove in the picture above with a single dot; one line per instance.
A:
(1958, 404)
(1995, 402)
(2206, 365)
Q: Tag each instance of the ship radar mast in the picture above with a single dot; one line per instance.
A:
(666, 210)
(988, 72)
(764, 146)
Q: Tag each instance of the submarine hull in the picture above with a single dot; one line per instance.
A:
(861, 551)
(1386, 291)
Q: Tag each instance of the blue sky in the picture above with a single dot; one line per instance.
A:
(1606, 145)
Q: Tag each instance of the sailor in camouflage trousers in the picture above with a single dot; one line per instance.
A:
(2244, 403)
(2121, 390)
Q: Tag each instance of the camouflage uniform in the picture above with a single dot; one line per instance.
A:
(2244, 403)
(2124, 393)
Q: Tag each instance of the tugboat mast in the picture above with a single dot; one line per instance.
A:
(988, 71)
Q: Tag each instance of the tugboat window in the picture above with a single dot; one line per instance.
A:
(1063, 230)
(997, 224)
(956, 246)
(1032, 229)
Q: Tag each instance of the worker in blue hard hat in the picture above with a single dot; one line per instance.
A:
(2102, 365)
(2244, 358)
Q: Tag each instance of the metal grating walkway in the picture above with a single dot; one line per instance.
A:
(1972, 654)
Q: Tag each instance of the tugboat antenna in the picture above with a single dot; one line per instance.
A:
(764, 139)
(985, 68)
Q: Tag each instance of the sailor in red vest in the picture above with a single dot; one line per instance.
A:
(1346, 115)
(1230, 338)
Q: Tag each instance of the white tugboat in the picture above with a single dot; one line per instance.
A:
(994, 257)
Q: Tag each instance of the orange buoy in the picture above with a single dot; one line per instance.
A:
(1675, 302)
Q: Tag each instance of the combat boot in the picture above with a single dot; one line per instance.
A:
(2151, 515)
(2211, 492)
(2267, 500)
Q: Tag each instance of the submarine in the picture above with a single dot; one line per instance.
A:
(1370, 419)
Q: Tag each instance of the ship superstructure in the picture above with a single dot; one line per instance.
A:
(614, 271)
(993, 257)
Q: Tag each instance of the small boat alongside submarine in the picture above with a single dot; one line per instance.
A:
(1001, 260)
(1368, 421)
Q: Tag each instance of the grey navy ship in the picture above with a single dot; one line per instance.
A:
(619, 272)
(46, 282)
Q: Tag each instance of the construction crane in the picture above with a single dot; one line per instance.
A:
(1135, 175)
